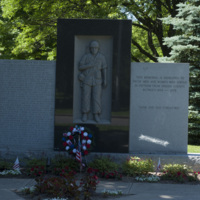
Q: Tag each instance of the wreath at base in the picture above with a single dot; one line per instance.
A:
(77, 139)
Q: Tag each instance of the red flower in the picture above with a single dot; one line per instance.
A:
(86, 152)
(90, 170)
(88, 146)
(71, 129)
(95, 177)
(178, 173)
(71, 137)
(64, 144)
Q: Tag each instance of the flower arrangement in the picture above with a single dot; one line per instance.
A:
(77, 139)
(151, 178)
(10, 172)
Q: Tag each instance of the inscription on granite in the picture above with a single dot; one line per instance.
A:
(159, 108)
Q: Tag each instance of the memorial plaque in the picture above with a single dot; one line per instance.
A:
(159, 108)
(108, 82)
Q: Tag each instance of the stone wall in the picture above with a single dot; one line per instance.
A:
(27, 93)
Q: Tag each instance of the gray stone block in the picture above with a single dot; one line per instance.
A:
(26, 106)
(159, 108)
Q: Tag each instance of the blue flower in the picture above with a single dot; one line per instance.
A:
(90, 135)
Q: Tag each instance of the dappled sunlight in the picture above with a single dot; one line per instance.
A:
(166, 197)
(154, 140)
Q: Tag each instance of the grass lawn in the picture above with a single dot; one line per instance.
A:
(193, 149)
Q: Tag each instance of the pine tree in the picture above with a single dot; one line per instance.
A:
(185, 48)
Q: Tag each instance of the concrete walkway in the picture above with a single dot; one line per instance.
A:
(131, 191)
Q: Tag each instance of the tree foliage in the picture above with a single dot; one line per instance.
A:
(185, 47)
(32, 25)
(147, 15)
(35, 21)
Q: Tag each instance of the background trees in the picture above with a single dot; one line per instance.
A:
(185, 47)
(32, 24)
(148, 44)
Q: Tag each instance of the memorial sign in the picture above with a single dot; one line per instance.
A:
(159, 108)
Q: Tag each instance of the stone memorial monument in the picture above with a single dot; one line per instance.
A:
(93, 80)
(159, 108)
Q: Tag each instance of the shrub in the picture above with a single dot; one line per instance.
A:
(66, 185)
(178, 173)
(55, 186)
(136, 166)
(104, 164)
(5, 165)
(36, 167)
(105, 168)
(89, 183)
(60, 164)
(114, 174)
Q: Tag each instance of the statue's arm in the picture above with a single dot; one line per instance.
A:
(83, 65)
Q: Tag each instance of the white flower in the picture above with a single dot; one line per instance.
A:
(85, 134)
(12, 172)
(69, 133)
(82, 128)
(74, 150)
(151, 178)
(84, 147)
(83, 141)
(74, 130)
(112, 192)
(67, 148)
(89, 141)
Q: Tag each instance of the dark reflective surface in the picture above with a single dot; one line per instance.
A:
(108, 138)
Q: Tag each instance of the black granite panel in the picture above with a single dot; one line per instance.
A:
(108, 138)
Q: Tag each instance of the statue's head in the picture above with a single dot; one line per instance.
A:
(94, 47)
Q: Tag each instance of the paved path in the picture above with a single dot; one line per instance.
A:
(132, 191)
(7, 185)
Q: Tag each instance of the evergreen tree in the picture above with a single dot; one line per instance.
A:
(185, 48)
